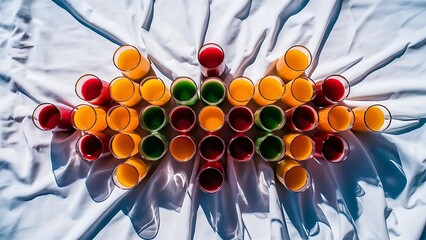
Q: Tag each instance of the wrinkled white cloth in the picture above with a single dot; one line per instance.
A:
(46, 192)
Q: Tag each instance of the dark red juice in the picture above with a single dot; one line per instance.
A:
(241, 148)
(240, 119)
(212, 148)
(182, 119)
(49, 117)
(210, 180)
(90, 147)
(304, 118)
(211, 57)
(95, 91)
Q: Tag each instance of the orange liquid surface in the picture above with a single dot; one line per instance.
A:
(131, 172)
(182, 149)
(335, 119)
(268, 90)
(299, 91)
(133, 64)
(240, 92)
(125, 92)
(124, 146)
(293, 66)
(122, 119)
(211, 118)
(291, 174)
(374, 118)
(155, 92)
(85, 119)
(298, 146)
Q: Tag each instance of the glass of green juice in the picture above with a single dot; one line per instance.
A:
(270, 147)
(269, 118)
(153, 147)
(153, 118)
(184, 91)
(213, 91)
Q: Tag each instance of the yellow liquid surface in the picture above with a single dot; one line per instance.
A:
(240, 92)
(268, 90)
(131, 172)
(211, 118)
(299, 91)
(182, 149)
(155, 92)
(298, 146)
(374, 118)
(293, 66)
(124, 146)
(335, 119)
(85, 119)
(132, 64)
(291, 174)
(125, 91)
(122, 119)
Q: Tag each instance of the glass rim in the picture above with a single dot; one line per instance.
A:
(222, 174)
(277, 158)
(37, 124)
(381, 107)
(176, 81)
(78, 147)
(275, 77)
(345, 83)
(217, 108)
(118, 184)
(314, 93)
(112, 139)
(307, 183)
(152, 78)
(205, 46)
(309, 57)
(75, 109)
(351, 123)
(176, 108)
(310, 108)
(128, 114)
(163, 141)
(346, 148)
(281, 125)
(311, 154)
(213, 79)
(222, 152)
(187, 137)
(116, 79)
(245, 79)
(122, 47)
(85, 77)
(142, 122)
(246, 109)
(251, 154)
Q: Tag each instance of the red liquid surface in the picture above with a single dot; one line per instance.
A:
(182, 119)
(95, 92)
(210, 180)
(304, 118)
(212, 148)
(333, 149)
(211, 57)
(241, 149)
(331, 89)
(240, 119)
(49, 117)
(90, 147)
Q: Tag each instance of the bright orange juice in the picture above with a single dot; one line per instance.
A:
(130, 173)
(292, 175)
(124, 145)
(268, 90)
(211, 118)
(131, 63)
(372, 118)
(182, 148)
(124, 91)
(240, 91)
(294, 62)
(121, 118)
(154, 91)
(298, 92)
(298, 146)
(88, 118)
(335, 119)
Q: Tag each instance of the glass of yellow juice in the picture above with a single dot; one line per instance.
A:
(88, 118)
(268, 90)
(294, 62)
(299, 146)
(335, 119)
(129, 173)
(124, 91)
(240, 91)
(211, 118)
(293, 176)
(124, 145)
(122, 119)
(182, 148)
(154, 91)
(299, 91)
(131, 63)
(374, 118)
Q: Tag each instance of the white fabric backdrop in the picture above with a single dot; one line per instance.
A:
(378, 193)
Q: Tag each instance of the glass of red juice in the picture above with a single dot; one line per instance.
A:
(49, 117)
(333, 89)
(182, 119)
(301, 118)
(211, 177)
(91, 89)
(211, 148)
(330, 147)
(92, 146)
(241, 148)
(240, 118)
(212, 60)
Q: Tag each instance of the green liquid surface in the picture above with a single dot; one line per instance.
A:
(153, 147)
(271, 148)
(184, 90)
(271, 118)
(153, 118)
(213, 92)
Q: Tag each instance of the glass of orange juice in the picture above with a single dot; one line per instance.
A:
(129, 173)
(182, 148)
(294, 62)
(240, 91)
(124, 91)
(268, 90)
(374, 118)
(211, 118)
(88, 118)
(293, 176)
(124, 145)
(299, 91)
(335, 119)
(122, 119)
(154, 91)
(299, 146)
(131, 63)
